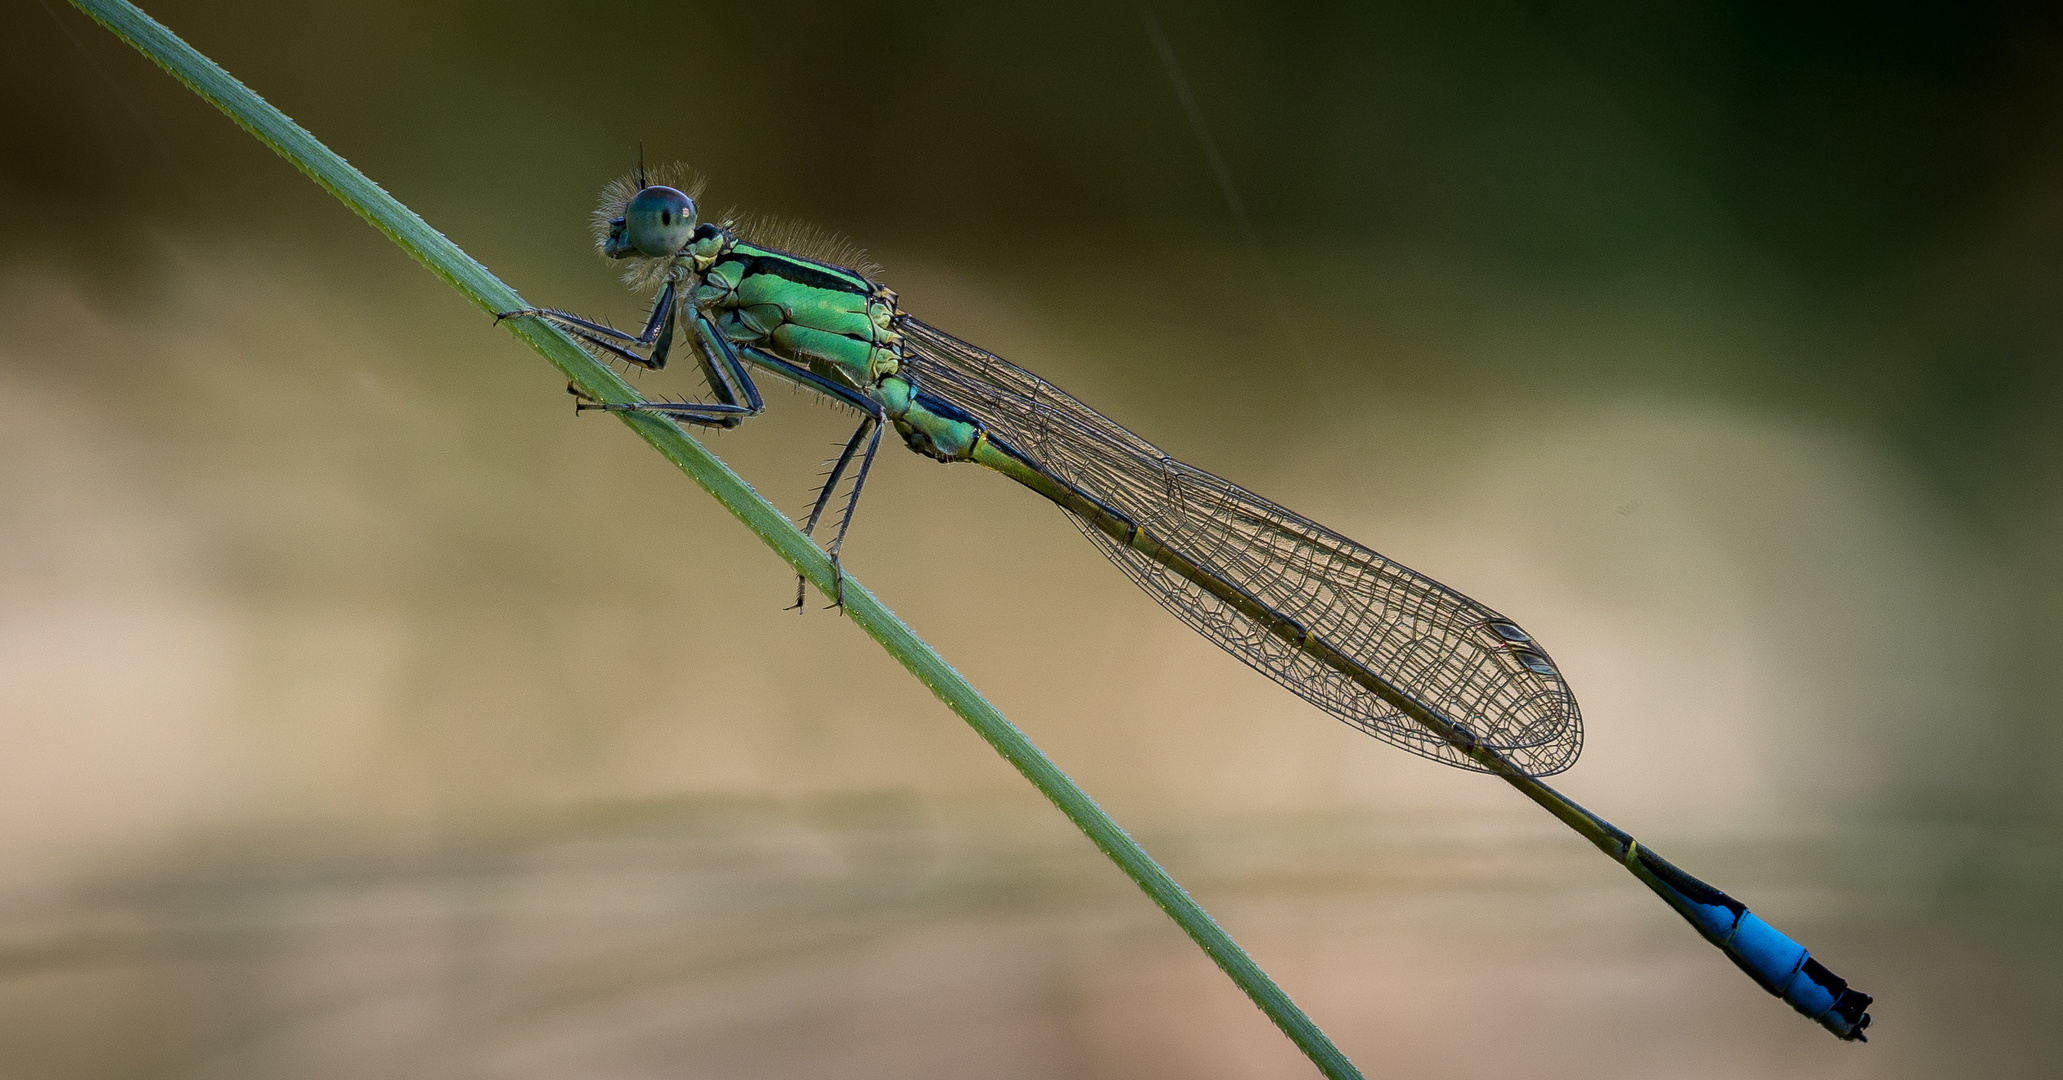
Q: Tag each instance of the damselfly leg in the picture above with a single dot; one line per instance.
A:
(869, 432)
(658, 330)
(738, 399)
(737, 396)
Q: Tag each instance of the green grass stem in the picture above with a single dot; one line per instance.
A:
(487, 292)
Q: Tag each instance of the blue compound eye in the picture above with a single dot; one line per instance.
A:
(659, 221)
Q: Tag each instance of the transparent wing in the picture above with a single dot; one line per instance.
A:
(1458, 658)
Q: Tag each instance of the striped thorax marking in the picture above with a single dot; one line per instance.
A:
(825, 317)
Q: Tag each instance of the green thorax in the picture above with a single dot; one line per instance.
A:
(825, 317)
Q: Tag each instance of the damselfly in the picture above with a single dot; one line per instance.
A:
(1382, 647)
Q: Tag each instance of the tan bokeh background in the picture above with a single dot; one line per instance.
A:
(363, 713)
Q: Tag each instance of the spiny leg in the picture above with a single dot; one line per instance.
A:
(610, 347)
(721, 367)
(852, 503)
(658, 328)
(710, 415)
(738, 397)
(725, 370)
(877, 417)
(830, 388)
(852, 446)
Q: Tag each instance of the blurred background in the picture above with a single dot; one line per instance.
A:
(365, 714)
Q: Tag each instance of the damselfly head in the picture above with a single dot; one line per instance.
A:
(657, 223)
(646, 218)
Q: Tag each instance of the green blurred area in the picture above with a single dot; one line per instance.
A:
(1873, 187)
(373, 717)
